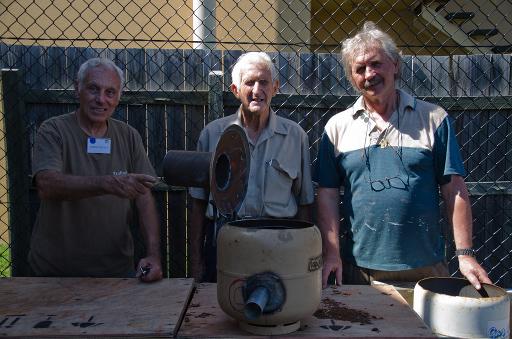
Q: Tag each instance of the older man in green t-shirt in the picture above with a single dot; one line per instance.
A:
(89, 170)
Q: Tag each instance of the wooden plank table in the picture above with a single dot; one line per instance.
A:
(79, 307)
(345, 311)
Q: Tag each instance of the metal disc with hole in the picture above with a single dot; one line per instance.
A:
(229, 170)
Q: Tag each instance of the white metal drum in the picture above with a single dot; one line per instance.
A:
(453, 307)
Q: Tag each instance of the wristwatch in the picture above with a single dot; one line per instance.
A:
(465, 251)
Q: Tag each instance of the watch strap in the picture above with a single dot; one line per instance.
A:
(465, 251)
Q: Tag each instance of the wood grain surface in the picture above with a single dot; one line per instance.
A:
(87, 307)
(354, 311)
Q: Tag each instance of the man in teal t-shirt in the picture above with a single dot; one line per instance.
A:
(392, 154)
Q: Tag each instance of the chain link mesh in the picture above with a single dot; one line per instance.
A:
(455, 53)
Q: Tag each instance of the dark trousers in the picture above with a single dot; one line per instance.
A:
(210, 253)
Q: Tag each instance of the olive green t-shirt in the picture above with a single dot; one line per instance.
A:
(91, 236)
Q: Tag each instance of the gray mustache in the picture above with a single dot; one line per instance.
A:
(372, 82)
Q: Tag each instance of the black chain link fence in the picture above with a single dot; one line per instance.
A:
(456, 53)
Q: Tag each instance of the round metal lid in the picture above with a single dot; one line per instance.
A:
(229, 170)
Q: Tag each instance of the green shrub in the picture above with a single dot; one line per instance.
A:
(5, 260)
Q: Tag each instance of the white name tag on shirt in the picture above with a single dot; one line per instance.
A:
(98, 145)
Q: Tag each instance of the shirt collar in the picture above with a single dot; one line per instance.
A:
(406, 101)
(273, 126)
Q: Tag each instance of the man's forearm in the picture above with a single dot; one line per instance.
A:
(458, 207)
(328, 222)
(52, 185)
(149, 223)
(328, 219)
(458, 211)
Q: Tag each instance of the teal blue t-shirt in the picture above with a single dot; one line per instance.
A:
(391, 182)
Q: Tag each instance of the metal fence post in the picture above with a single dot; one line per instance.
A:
(18, 164)
(215, 103)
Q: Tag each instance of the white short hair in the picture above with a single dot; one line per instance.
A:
(96, 62)
(252, 58)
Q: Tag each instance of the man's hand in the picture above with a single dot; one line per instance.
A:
(472, 270)
(332, 263)
(130, 185)
(149, 269)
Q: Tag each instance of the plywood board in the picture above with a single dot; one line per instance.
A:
(352, 311)
(79, 307)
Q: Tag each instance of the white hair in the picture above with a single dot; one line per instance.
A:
(97, 62)
(252, 58)
(369, 37)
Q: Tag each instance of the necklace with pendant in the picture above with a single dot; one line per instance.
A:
(384, 141)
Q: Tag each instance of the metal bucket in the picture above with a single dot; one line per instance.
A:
(269, 273)
(453, 307)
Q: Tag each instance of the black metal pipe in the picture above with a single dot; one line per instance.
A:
(187, 168)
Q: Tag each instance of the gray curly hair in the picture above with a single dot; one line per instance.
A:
(369, 37)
